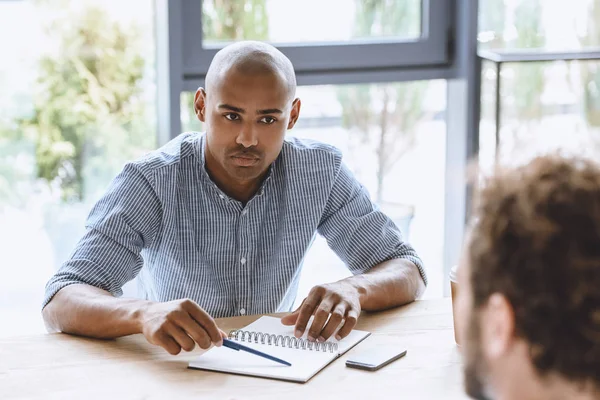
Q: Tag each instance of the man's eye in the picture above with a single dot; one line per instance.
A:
(267, 120)
(232, 116)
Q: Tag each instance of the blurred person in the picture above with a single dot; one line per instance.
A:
(529, 304)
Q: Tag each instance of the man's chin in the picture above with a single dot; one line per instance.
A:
(246, 173)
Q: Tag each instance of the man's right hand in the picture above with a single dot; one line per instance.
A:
(179, 324)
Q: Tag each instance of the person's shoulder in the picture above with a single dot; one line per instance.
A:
(170, 154)
(312, 152)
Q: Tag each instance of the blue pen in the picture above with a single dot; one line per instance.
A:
(236, 346)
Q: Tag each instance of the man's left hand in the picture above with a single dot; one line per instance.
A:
(339, 299)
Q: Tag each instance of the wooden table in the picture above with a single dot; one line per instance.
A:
(59, 366)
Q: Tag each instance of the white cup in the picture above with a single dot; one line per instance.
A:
(454, 293)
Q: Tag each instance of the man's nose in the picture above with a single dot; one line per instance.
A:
(247, 137)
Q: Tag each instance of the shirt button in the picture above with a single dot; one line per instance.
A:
(244, 212)
(243, 260)
(242, 311)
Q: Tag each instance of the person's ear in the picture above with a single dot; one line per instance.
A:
(200, 104)
(497, 327)
(294, 113)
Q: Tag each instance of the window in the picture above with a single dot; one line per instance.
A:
(316, 21)
(544, 106)
(78, 101)
(393, 137)
(549, 25)
(342, 35)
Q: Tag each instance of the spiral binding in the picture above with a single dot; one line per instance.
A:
(281, 340)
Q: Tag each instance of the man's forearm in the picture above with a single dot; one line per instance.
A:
(389, 284)
(89, 311)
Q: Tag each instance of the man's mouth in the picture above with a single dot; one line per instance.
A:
(244, 160)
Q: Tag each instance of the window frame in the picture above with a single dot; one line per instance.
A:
(430, 49)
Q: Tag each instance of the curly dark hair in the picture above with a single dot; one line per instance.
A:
(536, 240)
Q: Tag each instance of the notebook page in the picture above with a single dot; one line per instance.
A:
(305, 363)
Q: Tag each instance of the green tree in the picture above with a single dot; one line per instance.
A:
(88, 108)
(590, 70)
(492, 19)
(386, 113)
(228, 21)
(527, 85)
(529, 80)
(15, 154)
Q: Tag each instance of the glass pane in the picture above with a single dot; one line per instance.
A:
(544, 107)
(552, 25)
(290, 21)
(78, 100)
(386, 133)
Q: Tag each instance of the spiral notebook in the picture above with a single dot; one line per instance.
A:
(269, 335)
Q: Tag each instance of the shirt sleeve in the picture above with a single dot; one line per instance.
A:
(360, 234)
(123, 222)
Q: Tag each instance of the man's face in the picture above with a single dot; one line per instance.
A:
(468, 323)
(246, 118)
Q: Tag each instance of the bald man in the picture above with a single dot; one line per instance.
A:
(217, 224)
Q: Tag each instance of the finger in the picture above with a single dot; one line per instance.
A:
(291, 319)
(167, 342)
(205, 320)
(321, 316)
(193, 329)
(306, 310)
(180, 336)
(334, 322)
(223, 334)
(349, 324)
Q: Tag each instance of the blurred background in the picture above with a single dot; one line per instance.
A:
(409, 90)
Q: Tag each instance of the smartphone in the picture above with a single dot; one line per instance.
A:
(374, 359)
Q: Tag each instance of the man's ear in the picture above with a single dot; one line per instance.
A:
(497, 327)
(200, 104)
(294, 113)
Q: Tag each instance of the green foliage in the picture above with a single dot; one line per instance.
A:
(590, 71)
(226, 20)
(15, 154)
(492, 17)
(387, 18)
(387, 112)
(88, 105)
(529, 80)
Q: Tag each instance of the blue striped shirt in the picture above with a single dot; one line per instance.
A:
(164, 220)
